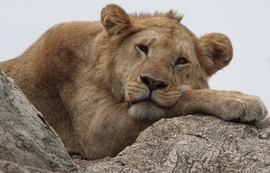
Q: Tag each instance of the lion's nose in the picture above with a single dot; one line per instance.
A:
(153, 84)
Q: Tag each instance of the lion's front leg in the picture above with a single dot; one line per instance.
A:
(227, 105)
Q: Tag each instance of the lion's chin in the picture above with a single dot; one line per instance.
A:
(146, 110)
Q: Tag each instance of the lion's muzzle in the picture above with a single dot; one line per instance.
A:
(152, 83)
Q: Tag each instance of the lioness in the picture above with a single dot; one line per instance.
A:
(99, 84)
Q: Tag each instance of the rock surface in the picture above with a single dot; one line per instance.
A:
(27, 142)
(194, 143)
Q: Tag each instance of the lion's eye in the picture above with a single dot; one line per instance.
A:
(143, 48)
(181, 61)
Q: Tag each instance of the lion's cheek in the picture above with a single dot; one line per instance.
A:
(170, 97)
(146, 110)
(135, 92)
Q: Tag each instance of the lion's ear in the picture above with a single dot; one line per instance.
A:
(214, 52)
(116, 20)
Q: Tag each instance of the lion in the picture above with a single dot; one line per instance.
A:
(100, 84)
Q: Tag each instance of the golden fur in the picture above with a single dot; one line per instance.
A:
(99, 84)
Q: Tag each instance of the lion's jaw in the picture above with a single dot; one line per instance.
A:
(146, 109)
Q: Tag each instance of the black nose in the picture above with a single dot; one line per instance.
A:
(153, 84)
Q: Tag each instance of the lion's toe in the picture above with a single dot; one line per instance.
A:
(255, 110)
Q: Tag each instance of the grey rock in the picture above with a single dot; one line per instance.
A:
(193, 143)
(26, 140)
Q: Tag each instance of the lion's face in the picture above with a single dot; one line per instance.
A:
(157, 59)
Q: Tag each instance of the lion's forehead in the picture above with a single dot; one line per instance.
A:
(174, 41)
(163, 23)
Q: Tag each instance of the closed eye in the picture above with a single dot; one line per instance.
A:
(181, 61)
(143, 48)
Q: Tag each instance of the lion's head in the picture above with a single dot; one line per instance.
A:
(156, 58)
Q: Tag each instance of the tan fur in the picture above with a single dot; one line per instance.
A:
(99, 87)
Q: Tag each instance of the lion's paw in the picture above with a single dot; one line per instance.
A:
(244, 108)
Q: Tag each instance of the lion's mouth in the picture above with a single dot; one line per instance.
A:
(147, 100)
(130, 103)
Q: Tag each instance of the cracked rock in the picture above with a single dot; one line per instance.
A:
(194, 143)
(27, 142)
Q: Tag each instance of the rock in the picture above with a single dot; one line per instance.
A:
(193, 144)
(27, 142)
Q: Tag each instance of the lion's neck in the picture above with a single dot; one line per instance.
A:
(101, 67)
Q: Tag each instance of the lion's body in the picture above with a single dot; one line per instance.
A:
(100, 84)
